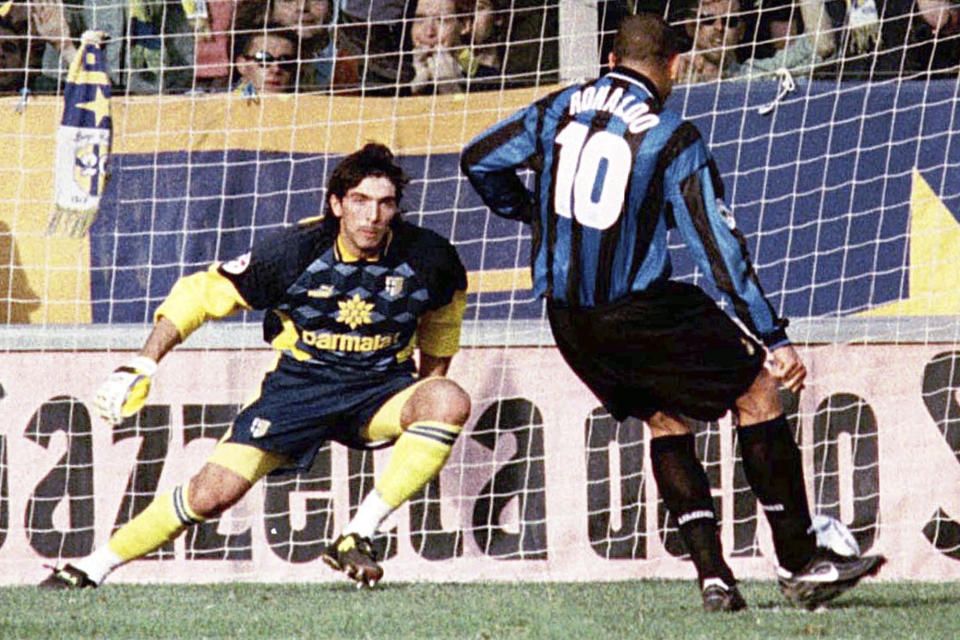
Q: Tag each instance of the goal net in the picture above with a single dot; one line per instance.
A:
(844, 180)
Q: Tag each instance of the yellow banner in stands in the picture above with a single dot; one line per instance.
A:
(46, 279)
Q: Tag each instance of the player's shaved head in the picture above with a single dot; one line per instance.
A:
(646, 38)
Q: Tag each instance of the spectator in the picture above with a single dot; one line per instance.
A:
(311, 19)
(266, 61)
(435, 36)
(160, 42)
(212, 47)
(61, 24)
(905, 37)
(486, 34)
(371, 35)
(715, 28)
(791, 44)
(13, 58)
(932, 39)
(942, 17)
(160, 53)
(443, 59)
(20, 35)
(531, 51)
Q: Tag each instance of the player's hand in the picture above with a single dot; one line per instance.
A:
(787, 367)
(125, 391)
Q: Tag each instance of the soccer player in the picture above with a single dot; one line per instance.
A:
(347, 295)
(614, 170)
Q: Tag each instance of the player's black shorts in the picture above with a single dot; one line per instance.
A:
(301, 407)
(669, 349)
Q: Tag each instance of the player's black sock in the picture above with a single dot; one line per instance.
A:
(685, 490)
(772, 464)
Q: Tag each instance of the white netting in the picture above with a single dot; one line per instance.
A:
(845, 186)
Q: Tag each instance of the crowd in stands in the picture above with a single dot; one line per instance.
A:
(858, 39)
(415, 47)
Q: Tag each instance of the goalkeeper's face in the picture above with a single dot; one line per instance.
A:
(365, 214)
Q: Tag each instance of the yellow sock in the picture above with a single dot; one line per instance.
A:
(163, 520)
(418, 456)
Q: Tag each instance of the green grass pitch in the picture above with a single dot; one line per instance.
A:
(595, 611)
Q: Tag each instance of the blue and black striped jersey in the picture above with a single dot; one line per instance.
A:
(614, 171)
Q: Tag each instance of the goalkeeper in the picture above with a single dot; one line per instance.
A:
(348, 296)
(614, 170)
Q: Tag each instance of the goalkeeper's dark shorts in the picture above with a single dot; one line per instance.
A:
(302, 407)
(669, 349)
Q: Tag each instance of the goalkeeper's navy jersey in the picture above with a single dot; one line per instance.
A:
(354, 317)
(614, 171)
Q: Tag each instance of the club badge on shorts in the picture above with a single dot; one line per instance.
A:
(238, 265)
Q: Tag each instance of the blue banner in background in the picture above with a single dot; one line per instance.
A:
(821, 187)
(170, 214)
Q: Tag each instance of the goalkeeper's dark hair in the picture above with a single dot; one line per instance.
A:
(646, 37)
(373, 160)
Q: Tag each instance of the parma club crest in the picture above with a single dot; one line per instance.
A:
(90, 164)
(393, 285)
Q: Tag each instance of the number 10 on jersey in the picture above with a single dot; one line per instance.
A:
(592, 175)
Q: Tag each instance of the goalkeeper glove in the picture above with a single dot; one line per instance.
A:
(125, 391)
